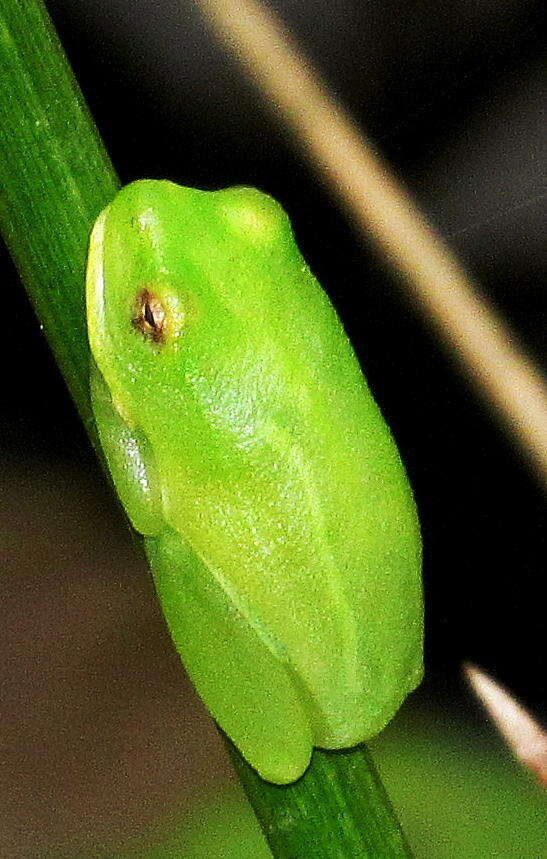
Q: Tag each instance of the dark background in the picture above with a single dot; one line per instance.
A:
(452, 94)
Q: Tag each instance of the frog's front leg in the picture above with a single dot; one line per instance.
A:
(239, 672)
(130, 460)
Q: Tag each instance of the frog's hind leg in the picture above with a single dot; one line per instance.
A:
(245, 684)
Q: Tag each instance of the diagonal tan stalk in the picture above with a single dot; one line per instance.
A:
(55, 177)
(472, 331)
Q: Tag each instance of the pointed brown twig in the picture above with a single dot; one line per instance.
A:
(525, 737)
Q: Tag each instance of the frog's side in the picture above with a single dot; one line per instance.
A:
(246, 447)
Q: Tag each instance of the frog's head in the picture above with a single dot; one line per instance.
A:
(180, 282)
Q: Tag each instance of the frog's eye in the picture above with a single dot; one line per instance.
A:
(149, 316)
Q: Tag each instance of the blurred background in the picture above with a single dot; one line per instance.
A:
(105, 750)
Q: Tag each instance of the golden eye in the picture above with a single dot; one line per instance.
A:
(149, 316)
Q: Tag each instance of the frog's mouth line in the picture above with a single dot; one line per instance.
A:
(99, 342)
(94, 292)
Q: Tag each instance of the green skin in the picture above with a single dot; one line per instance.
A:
(247, 449)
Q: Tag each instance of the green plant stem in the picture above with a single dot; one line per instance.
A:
(55, 177)
(339, 808)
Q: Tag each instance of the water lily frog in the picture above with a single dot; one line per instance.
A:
(247, 449)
